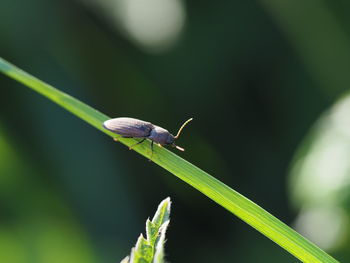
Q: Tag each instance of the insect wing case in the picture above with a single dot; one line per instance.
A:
(129, 127)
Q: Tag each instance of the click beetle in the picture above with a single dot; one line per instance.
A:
(134, 128)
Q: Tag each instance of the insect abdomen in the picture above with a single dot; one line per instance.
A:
(129, 127)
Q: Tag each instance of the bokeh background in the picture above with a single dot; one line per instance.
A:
(266, 82)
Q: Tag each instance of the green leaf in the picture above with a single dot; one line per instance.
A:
(162, 214)
(159, 250)
(150, 250)
(151, 232)
(228, 198)
(143, 252)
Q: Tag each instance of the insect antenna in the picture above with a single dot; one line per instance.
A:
(180, 130)
(179, 148)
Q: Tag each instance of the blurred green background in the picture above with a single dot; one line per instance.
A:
(266, 82)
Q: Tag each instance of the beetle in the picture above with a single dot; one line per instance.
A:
(134, 128)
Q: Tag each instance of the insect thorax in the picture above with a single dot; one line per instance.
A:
(161, 135)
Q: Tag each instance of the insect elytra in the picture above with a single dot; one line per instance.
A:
(134, 128)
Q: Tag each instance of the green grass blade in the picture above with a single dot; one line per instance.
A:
(228, 198)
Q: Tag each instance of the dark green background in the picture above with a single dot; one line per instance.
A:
(255, 75)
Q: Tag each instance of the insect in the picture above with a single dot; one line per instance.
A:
(134, 128)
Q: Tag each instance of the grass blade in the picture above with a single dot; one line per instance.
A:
(228, 198)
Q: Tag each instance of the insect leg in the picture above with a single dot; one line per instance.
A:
(130, 147)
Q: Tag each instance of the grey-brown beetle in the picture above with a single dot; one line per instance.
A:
(134, 128)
